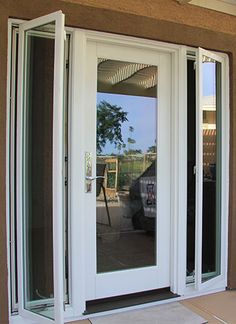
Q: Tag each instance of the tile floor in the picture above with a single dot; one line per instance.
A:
(213, 309)
(216, 308)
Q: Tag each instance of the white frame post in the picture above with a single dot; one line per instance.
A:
(10, 166)
(199, 177)
(76, 162)
(179, 189)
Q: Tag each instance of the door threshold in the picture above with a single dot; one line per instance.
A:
(122, 301)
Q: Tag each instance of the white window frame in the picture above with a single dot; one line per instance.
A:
(10, 176)
(219, 282)
(222, 276)
(58, 159)
(79, 39)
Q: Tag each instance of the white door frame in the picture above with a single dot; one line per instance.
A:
(79, 39)
(77, 136)
(179, 166)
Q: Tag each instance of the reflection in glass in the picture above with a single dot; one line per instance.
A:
(211, 111)
(126, 159)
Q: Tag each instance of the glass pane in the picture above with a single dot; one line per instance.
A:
(66, 152)
(126, 158)
(211, 128)
(12, 184)
(38, 140)
(191, 179)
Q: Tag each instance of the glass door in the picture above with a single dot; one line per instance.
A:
(209, 225)
(40, 160)
(127, 170)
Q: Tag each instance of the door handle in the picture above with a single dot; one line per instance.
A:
(88, 173)
(94, 178)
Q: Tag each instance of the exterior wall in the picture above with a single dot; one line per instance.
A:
(163, 20)
(3, 246)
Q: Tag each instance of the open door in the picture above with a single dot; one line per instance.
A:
(40, 160)
(209, 263)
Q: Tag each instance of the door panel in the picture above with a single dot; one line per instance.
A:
(209, 171)
(128, 135)
(40, 165)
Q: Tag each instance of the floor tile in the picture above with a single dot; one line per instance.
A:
(221, 306)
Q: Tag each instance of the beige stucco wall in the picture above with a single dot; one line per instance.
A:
(164, 20)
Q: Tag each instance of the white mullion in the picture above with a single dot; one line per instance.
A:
(225, 165)
(12, 112)
(90, 146)
(174, 264)
(199, 173)
(76, 175)
(19, 169)
(181, 121)
(58, 172)
(10, 166)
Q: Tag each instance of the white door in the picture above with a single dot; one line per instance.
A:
(40, 161)
(211, 171)
(127, 156)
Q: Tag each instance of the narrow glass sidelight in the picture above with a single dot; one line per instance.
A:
(38, 139)
(40, 193)
(208, 243)
(191, 169)
(211, 185)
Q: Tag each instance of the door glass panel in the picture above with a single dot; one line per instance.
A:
(126, 165)
(191, 179)
(211, 132)
(38, 153)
